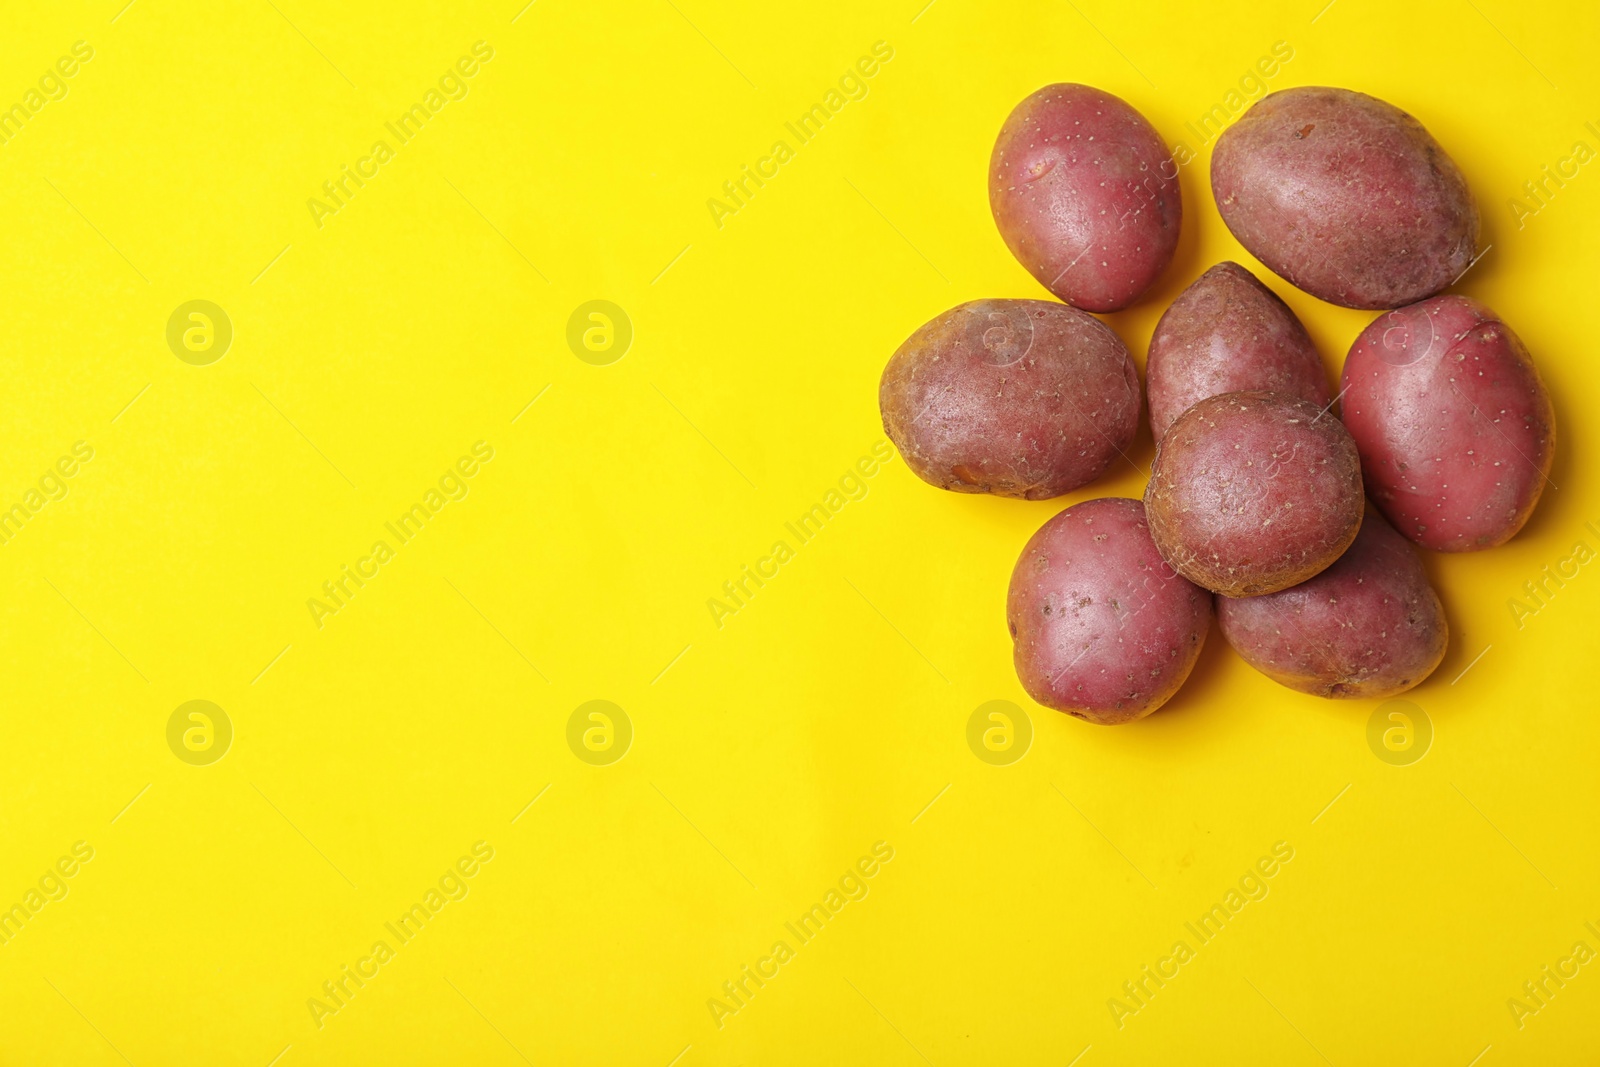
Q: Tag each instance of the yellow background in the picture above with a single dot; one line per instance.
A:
(770, 753)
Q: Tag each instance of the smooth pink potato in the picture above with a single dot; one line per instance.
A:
(1102, 628)
(1228, 333)
(1254, 492)
(1345, 196)
(1085, 193)
(1455, 428)
(1020, 398)
(1369, 626)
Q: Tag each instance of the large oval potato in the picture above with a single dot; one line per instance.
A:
(1086, 195)
(1455, 429)
(1024, 398)
(1254, 492)
(1228, 333)
(1369, 626)
(1346, 196)
(1103, 629)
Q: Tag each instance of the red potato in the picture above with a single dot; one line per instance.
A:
(1020, 398)
(1254, 492)
(1228, 333)
(1455, 428)
(1346, 196)
(1085, 193)
(1369, 626)
(1103, 629)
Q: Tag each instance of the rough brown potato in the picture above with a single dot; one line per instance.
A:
(1024, 398)
(1254, 492)
(1228, 333)
(1103, 629)
(1456, 430)
(1346, 196)
(1085, 194)
(1369, 626)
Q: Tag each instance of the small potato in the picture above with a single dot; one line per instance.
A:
(1086, 195)
(1455, 429)
(1103, 629)
(1254, 492)
(1023, 398)
(1346, 196)
(1369, 626)
(1228, 333)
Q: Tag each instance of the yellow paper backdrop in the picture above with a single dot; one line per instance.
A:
(417, 332)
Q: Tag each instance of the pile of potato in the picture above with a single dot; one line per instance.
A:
(1257, 507)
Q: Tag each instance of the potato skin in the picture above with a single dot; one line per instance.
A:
(1228, 333)
(1021, 398)
(1369, 626)
(1455, 428)
(1103, 629)
(1085, 193)
(1346, 196)
(1254, 492)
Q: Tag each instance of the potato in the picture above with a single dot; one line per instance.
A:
(1254, 492)
(1369, 626)
(1086, 195)
(1346, 196)
(1103, 629)
(1455, 429)
(1228, 333)
(1024, 398)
